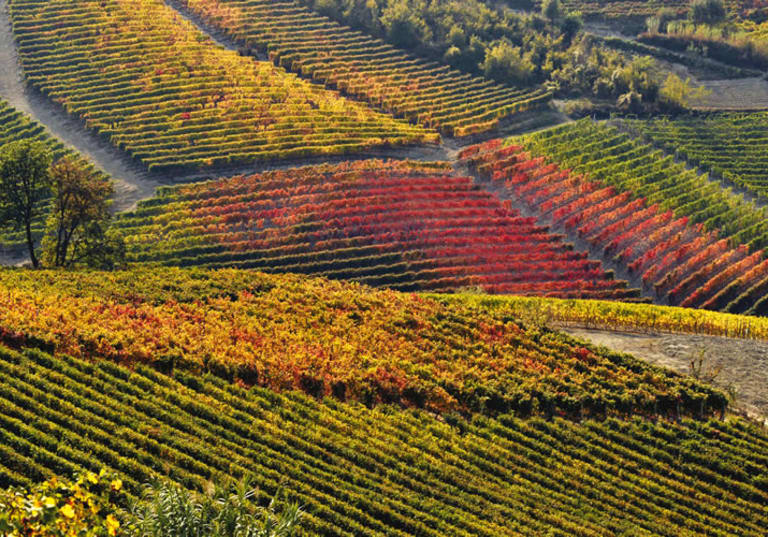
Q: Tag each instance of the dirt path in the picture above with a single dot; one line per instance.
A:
(743, 364)
(132, 182)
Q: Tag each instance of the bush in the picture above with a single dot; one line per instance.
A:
(504, 62)
(230, 511)
(707, 11)
(551, 9)
(84, 507)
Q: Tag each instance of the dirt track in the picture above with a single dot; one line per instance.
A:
(744, 363)
(131, 181)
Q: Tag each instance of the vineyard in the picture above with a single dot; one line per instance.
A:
(428, 93)
(405, 225)
(383, 471)
(148, 80)
(731, 146)
(617, 9)
(384, 270)
(691, 242)
(286, 332)
(621, 9)
(617, 316)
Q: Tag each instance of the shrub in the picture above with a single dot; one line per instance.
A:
(171, 511)
(84, 507)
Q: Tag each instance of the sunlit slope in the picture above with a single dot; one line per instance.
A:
(331, 338)
(141, 75)
(384, 471)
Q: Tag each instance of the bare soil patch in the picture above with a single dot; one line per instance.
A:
(743, 364)
(737, 94)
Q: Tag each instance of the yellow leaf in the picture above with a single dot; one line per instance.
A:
(67, 511)
(49, 503)
(112, 525)
(117, 484)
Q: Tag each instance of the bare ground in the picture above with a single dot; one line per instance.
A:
(742, 364)
(738, 94)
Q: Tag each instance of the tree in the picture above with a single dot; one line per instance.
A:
(707, 11)
(551, 9)
(678, 93)
(76, 230)
(24, 184)
(658, 23)
(571, 26)
(403, 26)
(505, 63)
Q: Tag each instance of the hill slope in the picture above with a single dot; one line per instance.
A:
(402, 224)
(329, 338)
(385, 471)
(148, 80)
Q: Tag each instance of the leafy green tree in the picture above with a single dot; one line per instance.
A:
(79, 214)
(571, 26)
(403, 27)
(24, 185)
(551, 9)
(505, 62)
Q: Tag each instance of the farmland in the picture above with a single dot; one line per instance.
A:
(701, 245)
(731, 146)
(616, 9)
(332, 339)
(405, 225)
(169, 96)
(143, 424)
(354, 469)
(430, 94)
(382, 268)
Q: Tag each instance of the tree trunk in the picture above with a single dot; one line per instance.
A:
(31, 244)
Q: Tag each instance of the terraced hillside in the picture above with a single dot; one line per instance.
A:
(148, 80)
(16, 126)
(357, 470)
(405, 225)
(692, 242)
(428, 93)
(731, 146)
(331, 338)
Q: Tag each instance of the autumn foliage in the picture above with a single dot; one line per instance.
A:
(333, 339)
